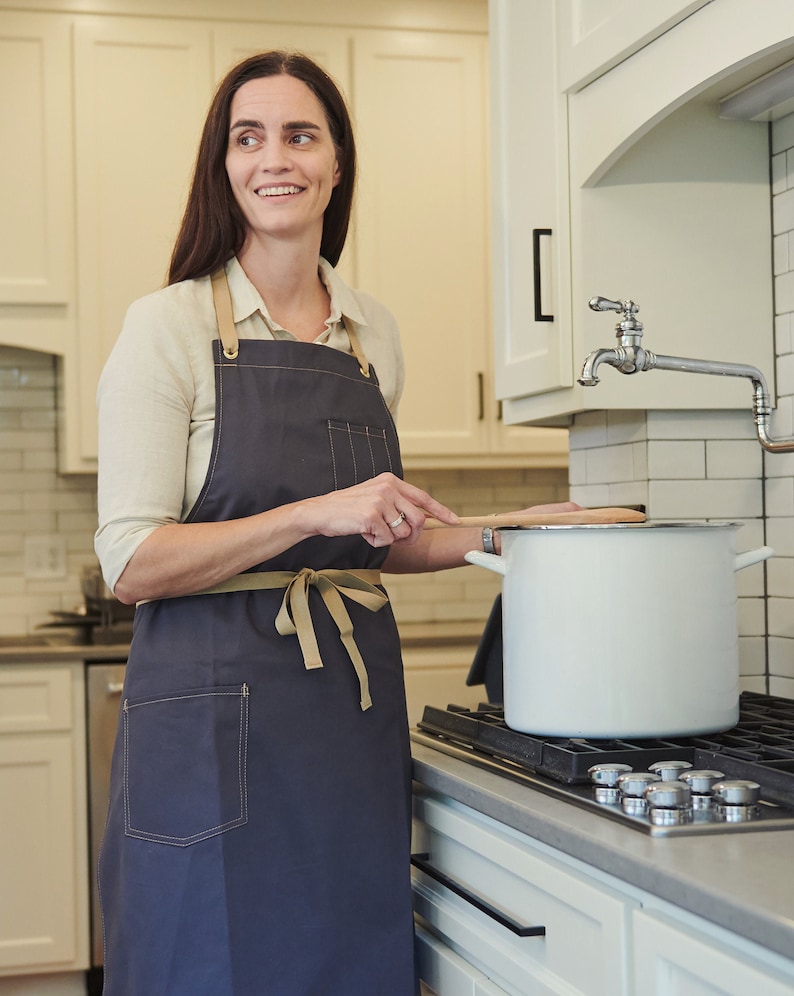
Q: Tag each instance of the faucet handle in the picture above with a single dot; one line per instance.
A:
(628, 308)
(628, 325)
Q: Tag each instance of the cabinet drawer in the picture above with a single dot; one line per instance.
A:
(35, 699)
(587, 924)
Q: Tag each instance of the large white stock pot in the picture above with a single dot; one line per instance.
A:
(620, 630)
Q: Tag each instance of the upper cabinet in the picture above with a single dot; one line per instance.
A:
(91, 208)
(668, 204)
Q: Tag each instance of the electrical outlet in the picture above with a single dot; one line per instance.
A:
(45, 557)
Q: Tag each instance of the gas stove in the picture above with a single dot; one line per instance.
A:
(740, 780)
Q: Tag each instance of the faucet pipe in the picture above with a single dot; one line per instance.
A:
(630, 357)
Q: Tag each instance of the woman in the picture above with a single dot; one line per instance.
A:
(250, 491)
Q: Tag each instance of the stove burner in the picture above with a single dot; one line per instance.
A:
(740, 779)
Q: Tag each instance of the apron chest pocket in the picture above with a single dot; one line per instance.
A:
(185, 757)
(358, 453)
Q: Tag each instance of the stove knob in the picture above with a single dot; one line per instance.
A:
(669, 771)
(701, 782)
(669, 803)
(736, 800)
(632, 791)
(737, 792)
(605, 781)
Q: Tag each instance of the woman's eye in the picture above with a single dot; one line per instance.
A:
(300, 139)
(247, 141)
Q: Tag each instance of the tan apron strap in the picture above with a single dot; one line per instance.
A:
(358, 352)
(222, 299)
(294, 616)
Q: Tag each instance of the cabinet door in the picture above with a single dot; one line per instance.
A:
(531, 264)
(443, 972)
(36, 139)
(420, 234)
(141, 90)
(594, 37)
(672, 960)
(37, 849)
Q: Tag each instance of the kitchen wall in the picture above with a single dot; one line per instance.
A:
(701, 465)
(37, 503)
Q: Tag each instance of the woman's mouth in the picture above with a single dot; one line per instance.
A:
(277, 191)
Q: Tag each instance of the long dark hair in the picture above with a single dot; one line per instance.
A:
(213, 228)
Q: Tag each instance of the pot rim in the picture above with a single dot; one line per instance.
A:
(626, 525)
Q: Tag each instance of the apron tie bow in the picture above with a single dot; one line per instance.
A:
(294, 616)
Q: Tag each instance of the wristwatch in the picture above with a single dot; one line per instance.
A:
(487, 540)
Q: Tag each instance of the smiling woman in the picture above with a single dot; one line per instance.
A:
(250, 491)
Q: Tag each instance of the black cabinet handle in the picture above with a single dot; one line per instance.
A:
(537, 234)
(421, 862)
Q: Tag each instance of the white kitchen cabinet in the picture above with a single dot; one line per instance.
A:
(668, 205)
(584, 947)
(530, 218)
(421, 237)
(593, 38)
(43, 831)
(36, 192)
(675, 957)
(602, 935)
(141, 88)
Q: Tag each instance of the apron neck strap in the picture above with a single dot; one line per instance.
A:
(222, 298)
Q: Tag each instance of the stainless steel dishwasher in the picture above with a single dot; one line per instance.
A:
(104, 684)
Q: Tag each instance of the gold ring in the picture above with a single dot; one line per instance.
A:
(398, 521)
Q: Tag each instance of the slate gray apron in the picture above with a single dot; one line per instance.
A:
(259, 827)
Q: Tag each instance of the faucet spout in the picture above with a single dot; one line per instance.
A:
(588, 377)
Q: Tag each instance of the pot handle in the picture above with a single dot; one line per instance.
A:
(752, 557)
(490, 561)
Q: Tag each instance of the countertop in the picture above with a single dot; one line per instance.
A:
(741, 881)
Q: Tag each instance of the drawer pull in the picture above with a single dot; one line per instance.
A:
(421, 862)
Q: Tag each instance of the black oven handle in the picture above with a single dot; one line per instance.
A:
(421, 862)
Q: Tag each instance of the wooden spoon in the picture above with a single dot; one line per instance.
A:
(583, 517)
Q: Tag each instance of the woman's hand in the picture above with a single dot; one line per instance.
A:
(382, 510)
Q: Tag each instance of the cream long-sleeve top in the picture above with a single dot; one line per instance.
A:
(156, 397)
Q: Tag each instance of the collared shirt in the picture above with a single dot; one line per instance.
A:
(156, 397)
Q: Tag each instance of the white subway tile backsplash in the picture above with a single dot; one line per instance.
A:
(784, 290)
(780, 254)
(751, 614)
(783, 134)
(608, 464)
(752, 655)
(781, 616)
(668, 459)
(780, 577)
(779, 173)
(733, 458)
(589, 429)
(706, 499)
(782, 335)
(780, 496)
(700, 425)
(591, 495)
(780, 535)
(780, 652)
(783, 212)
(626, 427)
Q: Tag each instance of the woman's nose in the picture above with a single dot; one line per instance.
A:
(274, 158)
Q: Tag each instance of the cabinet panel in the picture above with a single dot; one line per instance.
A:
(531, 253)
(595, 37)
(421, 224)
(35, 699)
(35, 136)
(671, 960)
(586, 942)
(37, 849)
(141, 91)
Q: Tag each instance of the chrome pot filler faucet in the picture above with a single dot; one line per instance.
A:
(631, 357)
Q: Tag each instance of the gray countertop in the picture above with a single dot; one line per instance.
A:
(37, 651)
(741, 881)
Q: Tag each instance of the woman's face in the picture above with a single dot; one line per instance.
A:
(280, 160)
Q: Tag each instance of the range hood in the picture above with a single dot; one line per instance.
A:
(766, 99)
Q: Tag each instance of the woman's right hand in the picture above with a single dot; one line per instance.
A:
(381, 510)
